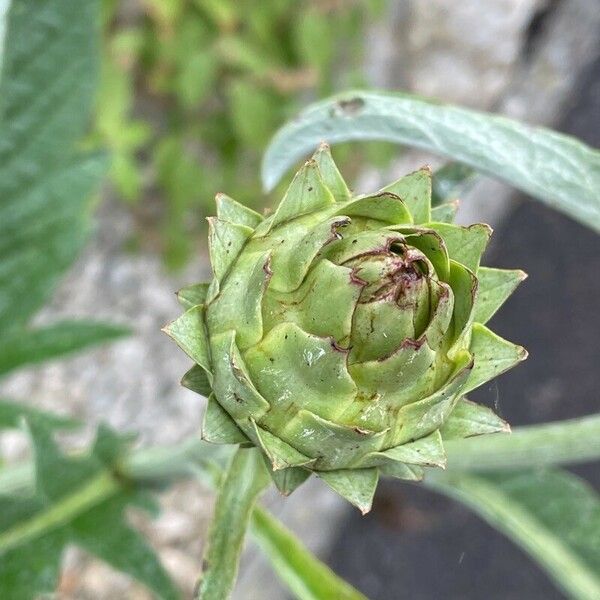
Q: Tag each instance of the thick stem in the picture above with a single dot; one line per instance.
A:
(244, 481)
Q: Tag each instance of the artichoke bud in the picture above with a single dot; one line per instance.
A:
(341, 334)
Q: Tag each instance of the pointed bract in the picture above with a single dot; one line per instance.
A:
(384, 207)
(427, 451)
(415, 191)
(399, 470)
(330, 173)
(465, 244)
(469, 419)
(307, 193)
(287, 480)
(225, 242)
(495, 286)
(218, 427)
(238, 306)
(493, 355)
(189, 332)
(192, 295)
(234, 212)
(356, 485)
(445, 213)
(198, 380)
(280, 454)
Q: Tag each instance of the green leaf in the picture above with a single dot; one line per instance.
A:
(356, 485)
(244, 481)
(12, 413)
(252, 110)
(559, 443)
(45, 181)
(44, 343)
(552, 515)
(79, 501)
(558, 170)
(305, 576)
(495, 286)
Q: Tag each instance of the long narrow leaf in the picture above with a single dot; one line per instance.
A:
(556, 169)
(559, 443)
(37, 345)
(244, 481)
(552, 515)
(304, 575)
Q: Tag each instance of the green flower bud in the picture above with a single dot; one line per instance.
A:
(340, 334)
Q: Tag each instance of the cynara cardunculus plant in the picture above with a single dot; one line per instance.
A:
(341, 333)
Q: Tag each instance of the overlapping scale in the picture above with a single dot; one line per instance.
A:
(340, 334)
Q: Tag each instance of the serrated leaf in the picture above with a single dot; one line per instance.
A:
(77, 501)
(305, 576)
(45, 182)
(557, 169)
(355, 485)
(493, 355)
(495, 287)
(31, 346)
(552, 515)
(244, 481)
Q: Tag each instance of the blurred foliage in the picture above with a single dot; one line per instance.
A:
(192, 90)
